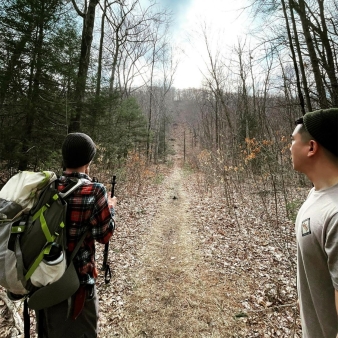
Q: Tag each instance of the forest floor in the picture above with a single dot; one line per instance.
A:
(188, 264)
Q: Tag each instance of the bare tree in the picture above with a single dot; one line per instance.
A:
(88, 18)
(301, 10)
(216, 80)
(293, 55)
(300, 58)
(311, 34)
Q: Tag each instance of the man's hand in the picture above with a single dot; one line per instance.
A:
(112, 202)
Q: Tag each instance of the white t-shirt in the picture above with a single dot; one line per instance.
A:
(317, 263)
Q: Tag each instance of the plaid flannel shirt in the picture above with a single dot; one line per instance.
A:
(87, 206)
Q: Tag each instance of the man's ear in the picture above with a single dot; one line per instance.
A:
(313, 147)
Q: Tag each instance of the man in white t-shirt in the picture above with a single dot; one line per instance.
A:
(314, 152)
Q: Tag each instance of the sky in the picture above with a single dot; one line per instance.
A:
(226, 22)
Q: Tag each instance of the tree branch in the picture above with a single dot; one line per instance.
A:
(77, 9)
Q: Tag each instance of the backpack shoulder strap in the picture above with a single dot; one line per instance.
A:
(79, 243)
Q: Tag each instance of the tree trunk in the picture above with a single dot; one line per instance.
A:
(18, 49)
(114, 65)
(330, 65)
(86, 43)
(97, 108)
(33, 97)
(293, 55)
(301, 10)
(300, 58)
(150, 102)
(99, 61)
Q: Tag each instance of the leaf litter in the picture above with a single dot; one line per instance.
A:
(189, 264)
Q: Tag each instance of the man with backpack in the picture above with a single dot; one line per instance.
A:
(314, 152)
(89, 210)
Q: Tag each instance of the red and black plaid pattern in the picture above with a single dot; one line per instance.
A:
(87, 206)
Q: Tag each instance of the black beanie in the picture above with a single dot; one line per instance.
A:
(78, 149)
(323, 126)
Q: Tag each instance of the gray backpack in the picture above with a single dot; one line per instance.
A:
(33, 239)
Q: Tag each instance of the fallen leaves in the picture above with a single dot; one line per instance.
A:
(238, 280)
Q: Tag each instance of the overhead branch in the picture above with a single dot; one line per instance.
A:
(77, 9)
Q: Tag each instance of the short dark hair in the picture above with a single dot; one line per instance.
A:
(305, 135)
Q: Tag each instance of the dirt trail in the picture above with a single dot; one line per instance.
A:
(174, 293)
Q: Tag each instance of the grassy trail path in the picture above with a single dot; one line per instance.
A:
(174, 293)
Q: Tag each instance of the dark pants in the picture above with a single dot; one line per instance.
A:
(55, 323)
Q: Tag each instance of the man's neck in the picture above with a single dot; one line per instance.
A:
(324, 176)
(76, 170)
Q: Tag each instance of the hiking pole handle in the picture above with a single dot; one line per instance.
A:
(105, 266)
(113, 182)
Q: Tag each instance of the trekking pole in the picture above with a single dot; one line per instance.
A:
(105, 266)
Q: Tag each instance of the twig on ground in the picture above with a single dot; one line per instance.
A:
(245, 314)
